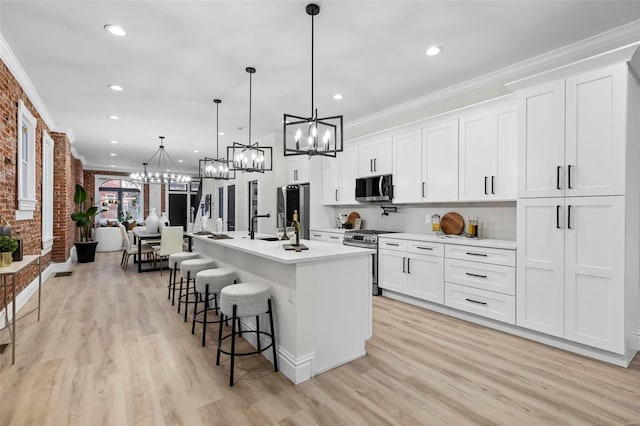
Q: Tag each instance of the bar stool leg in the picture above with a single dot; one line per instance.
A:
(233, 343)
(170, 281)
(258, 331)
(195, 311)
(173, 302)
(206, 308)
(273, 337)
(219, 339)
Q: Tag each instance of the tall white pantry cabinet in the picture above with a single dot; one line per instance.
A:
(578, 210)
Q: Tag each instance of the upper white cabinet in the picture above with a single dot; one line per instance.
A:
(339, 177)
(407, 164)
(439, 162)
(298, 169)
(374, 157)
(572, 135)
(488, 142)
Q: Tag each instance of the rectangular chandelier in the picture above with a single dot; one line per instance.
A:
(312, 136)
(215, 168)
(250, 158)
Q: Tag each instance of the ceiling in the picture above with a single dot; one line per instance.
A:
(179, 55)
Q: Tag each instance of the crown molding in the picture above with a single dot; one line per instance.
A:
(69, 132)
(626, 34)
(78, 156)
(11, 61)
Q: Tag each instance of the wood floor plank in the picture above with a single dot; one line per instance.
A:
(111, 350)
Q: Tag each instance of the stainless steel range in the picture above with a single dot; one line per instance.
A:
(366, 238)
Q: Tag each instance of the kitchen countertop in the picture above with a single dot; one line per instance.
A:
(334, 230)
(454, 239)
(318, 250)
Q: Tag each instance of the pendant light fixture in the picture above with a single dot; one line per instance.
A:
(216, 168)
(250, 157)
(312, 135)
(162, 174)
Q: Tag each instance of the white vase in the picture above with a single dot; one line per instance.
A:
(164, 220)
(152, 222)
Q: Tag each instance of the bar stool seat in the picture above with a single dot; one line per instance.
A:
(189, 268)
(245, 300)
(209, 283)
(175, 260)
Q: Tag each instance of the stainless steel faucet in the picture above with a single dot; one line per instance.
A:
(252, 227)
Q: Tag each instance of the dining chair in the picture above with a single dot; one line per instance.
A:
(131, 250)
(170, 243)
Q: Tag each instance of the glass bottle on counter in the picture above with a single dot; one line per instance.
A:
(296, 225)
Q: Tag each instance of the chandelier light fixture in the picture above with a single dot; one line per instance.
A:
(162, 174)
(250, 157)
(216, 168)
(312, 135)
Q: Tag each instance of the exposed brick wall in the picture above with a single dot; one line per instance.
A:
(29, 230)
(63, 185)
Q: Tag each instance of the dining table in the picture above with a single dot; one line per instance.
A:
(141, 234)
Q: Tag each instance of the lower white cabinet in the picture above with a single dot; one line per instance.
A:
(571, 269)
(326, 236)
(417, 275)
(497, 306)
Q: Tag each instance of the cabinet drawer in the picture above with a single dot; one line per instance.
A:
(501, 279)
(319, 236)
(392, 244)
(333, 238)
(499, 307)
(427, 249)
(481, 254)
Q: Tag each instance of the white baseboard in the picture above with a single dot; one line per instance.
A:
(24, 296)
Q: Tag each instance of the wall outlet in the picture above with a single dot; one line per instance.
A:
(427, 219)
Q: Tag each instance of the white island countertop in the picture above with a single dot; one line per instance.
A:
(318, 250)
(454, 239)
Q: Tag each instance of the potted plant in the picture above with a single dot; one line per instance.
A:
(7, 246)
(85, 248)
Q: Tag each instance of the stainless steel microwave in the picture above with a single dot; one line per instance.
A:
(374, 188)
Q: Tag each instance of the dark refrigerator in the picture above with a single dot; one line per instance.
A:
(290, 198)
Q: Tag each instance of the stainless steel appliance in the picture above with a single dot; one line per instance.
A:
(366, 238)
(374, 188)
(290, 198)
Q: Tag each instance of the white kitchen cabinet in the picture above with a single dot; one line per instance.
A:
(487, 156)
(327, 236)
(594, 278)
(407, 164)
(439, 162)
(571, 267)
(339, 177)
(540, 271)
(392, 270)
(298, 169)
(425, 277)
(375, 157)
(572, 135)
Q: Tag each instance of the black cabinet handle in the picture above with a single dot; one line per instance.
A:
(569, 217)
(422, 189)
(408, 265)
(392, 244)
(404, 270)
(475, 275)
(485, 186)
(493, 178)
(424, 248)
(558, 177)
(558, 217)
(336, 195)
(317, 235)
(375, 164)
(569, 177)
(475, 301)
(371, 164)
(333, 237)
(476, 254)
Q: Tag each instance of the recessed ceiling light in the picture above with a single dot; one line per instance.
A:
(221, 133)
(113, 154)
(116, 88)
(433, 50)
(113, 141)
(337, 96)
(196, 151)
(180, 161)
(114, 117)
(115, 30)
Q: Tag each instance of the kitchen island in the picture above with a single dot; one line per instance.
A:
(321, 298)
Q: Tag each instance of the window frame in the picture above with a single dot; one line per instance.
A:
(26, 187)
(48, 160)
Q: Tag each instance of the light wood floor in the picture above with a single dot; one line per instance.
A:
(110, 350)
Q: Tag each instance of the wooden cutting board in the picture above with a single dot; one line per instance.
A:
(452, 223)
(352, 217)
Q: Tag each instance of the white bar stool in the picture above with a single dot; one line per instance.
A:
(175, 260)
(189, 268)
(240, 301)
(209, 283)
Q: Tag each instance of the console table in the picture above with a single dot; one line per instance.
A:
(12, 271)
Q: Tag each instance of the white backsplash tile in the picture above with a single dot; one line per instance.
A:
(496, 220)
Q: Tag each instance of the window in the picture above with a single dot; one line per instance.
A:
(121, 200)
(47, 192)
(26, 163)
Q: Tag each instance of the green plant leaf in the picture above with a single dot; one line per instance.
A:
(80, 196)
